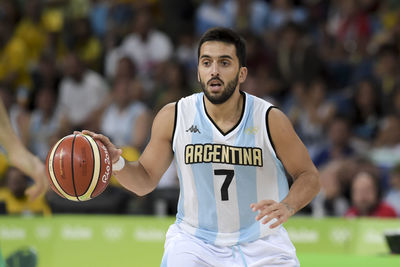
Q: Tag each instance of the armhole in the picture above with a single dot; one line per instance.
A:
(268, 131)
(175, 122)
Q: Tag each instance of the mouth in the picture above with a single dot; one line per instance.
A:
(215, 84)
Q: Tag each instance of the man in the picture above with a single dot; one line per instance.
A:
(21, 158)
(231, 149)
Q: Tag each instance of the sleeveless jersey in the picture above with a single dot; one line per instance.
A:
(221, 174)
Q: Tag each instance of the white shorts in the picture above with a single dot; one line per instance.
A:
(184, 250)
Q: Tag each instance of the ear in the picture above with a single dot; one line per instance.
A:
(242, 74)
(198, 76)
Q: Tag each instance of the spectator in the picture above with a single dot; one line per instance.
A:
(330, 201)
(44, 125)
(386, 147)
(86, 44)
(295, 56)
(13, 57)
(366, 110)
(213, 13)
(314, 116)
(82, 93)
(283, 12)
(339, 142)
(146, 46)
(366, 197)
(127, 120)
(31, 31)
(350, 25)
(14, 198)
(125, 70)
(250, 16)
(173, 85)
(46, 74)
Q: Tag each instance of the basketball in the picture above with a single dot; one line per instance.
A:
(78, 167)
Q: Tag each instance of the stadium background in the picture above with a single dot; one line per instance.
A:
(332, 66)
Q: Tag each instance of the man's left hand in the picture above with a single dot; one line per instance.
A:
(269, 209)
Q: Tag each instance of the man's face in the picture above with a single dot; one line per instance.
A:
(364, 193)
(218, 71)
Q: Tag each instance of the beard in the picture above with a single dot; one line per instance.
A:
(226, 93)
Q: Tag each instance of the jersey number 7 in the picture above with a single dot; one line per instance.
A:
(228, 179)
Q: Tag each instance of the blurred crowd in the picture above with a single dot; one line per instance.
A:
(109, 65)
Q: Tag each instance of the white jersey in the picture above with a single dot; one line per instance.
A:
(221, 174)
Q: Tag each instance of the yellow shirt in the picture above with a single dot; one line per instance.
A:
(13, 60)
(34, 36)
(23, 206)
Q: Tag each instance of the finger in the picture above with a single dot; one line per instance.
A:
(275, 214)
(88, 133)
(104, 139)
(267, 210)
(263, 213)
(278, 222)
(33, 192)
(259, 205)
(77, 132)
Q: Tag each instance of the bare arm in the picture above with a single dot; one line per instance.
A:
(21, 158)
(142, 176)
(294, 156)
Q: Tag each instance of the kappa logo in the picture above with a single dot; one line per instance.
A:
(193, 129)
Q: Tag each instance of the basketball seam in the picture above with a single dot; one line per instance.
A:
(72, 167)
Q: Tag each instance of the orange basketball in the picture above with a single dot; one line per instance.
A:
(78, 167)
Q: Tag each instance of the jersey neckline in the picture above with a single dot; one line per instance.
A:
(239, 121)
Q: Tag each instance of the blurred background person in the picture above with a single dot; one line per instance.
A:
(366, 197)
(44, 123)
(127, 120)
(82, 94)
(330, 201)
(339, 145)
(14, 200)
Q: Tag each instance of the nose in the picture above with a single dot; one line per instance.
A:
(214, 70)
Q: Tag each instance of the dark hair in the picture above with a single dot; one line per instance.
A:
(228, 36)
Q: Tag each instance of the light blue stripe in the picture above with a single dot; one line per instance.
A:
(164, 260)
(250, 233)
(283, 186)
(181, 210)
(246, 176)
(204, 178)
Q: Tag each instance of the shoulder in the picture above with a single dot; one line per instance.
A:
(167, 114)
(164, 122)
(386, 210)
(277, 118)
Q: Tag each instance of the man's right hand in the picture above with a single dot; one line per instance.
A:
(115, 152)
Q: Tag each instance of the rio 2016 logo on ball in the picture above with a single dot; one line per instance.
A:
(78, 167)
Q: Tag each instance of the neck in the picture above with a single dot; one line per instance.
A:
(228, 112)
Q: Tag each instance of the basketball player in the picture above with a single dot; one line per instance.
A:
(231, 149)
(21, 158)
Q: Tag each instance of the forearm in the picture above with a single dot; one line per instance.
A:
(305, 187)
(135, 178)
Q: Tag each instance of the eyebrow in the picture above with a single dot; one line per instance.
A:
(223, 56)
